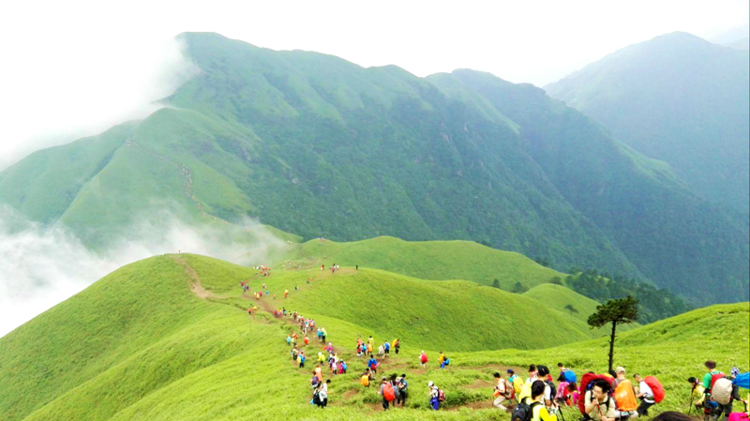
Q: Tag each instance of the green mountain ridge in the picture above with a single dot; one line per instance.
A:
(169, 338)
(319, 147)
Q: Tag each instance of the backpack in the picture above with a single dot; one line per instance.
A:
(587, 383)
(570, 376)
(316, 397)
(423, 358)
(625, 397)
(715, 377)
(447, 361)
(441, 395)
(658, 389)
(721, 391)
(523, 411)
(388, 393)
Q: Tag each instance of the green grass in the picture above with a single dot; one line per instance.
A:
(439, 260)
(139, 345)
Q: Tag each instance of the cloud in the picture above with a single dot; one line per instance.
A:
(58, 94)
(40, 267)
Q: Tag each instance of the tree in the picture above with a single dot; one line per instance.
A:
(572, 309)
(518, 288)
(624, 310)
(496, 284)
(556, 280)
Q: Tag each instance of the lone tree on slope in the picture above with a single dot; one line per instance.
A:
(623, 310)
(571, 309)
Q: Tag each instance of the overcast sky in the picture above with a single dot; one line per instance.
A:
(74, 68)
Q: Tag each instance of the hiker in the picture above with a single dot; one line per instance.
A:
(561, 396)
(403, 389)
(301, 359)
(445, 361)
(724, 392)
(434, 396)
(321, 358)
(342, 367)
(441, 360)
(323, 394)
(574, 394)
(516, 381)
(369, 349)
(387, 392)
(549, 390)
(370, 342)
(625, 397)
(365, 379)
(372, 364)
(319, 372)
(387, 348)
(323, 334)
(381, 352)
(645, 394)
(697, 392)
(500, 393)
(396, 345)
(288, 340)
(598, 405)
(423, 359)
(536, 405)
(286, 293)
(394, 384)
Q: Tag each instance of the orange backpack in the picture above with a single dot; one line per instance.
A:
(625, 397)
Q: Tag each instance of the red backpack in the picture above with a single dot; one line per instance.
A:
(587, 382)
(656, 387)
(388, 392)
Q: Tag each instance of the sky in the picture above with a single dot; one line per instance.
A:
(76, 68)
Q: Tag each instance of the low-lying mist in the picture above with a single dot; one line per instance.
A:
(40, 267)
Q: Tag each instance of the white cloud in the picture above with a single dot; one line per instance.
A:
(42, 267)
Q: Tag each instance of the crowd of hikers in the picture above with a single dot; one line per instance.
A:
(615, 396)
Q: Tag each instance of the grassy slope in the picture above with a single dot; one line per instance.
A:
(139, 345)
(439, 260)
(558, 297)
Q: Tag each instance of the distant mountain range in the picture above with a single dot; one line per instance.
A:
(676, 98)
(317, 146)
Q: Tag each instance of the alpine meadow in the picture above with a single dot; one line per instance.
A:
(296, 236)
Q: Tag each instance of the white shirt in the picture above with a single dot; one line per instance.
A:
(646, 390)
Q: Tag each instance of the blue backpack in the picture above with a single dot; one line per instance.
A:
(570, 376)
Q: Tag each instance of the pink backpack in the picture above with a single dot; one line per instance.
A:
(738, 416)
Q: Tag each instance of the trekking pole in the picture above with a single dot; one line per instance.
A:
(560, 410)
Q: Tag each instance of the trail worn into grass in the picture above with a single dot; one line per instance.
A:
(195, 286)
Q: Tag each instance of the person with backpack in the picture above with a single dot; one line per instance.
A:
(387, 392)
(372, 364)
(598, 405)
(323, 394)
(550, 390)
(364, 380)
(625, 397)
(697, 392)
(387, 348)
(536, 408)
(423, 359)
(500, 393)
(517, 383)
(403, 389)
(396, 345)
(561, 396)
(394, 383)
(301, 357)
(437, 396)
(645, 394)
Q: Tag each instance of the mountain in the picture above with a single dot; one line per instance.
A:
(169, 338)
(319, 147)
(679, 99)
(438, 260)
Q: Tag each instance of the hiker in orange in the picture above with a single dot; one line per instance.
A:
(319, 373)
(286, 293)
